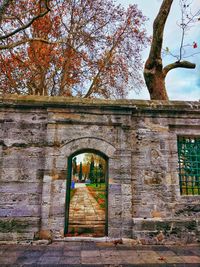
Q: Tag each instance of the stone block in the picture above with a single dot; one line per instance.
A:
(45, 234)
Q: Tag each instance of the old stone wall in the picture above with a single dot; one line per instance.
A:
(139, 138)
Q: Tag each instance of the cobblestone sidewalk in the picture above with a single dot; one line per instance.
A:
(98, 254)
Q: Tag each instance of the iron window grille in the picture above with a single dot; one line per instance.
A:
(189, 165)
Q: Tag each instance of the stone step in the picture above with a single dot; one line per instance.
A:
(87, 223)
(84, 229)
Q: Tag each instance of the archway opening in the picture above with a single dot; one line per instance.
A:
(86, 203)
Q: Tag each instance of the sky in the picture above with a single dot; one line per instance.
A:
(182, 84)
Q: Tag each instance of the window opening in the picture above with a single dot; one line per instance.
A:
(189, 165)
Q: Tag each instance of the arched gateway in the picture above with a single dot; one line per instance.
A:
(87, 194)
(56, 185)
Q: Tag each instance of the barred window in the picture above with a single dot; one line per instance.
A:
(189, 165)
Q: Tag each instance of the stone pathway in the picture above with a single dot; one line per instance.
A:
(85, 216)
(76, 254)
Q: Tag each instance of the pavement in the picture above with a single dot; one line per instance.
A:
(86, 218)
(95, 253)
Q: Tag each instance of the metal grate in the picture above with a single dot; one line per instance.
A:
(189, 165)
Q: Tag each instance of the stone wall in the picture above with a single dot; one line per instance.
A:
(139, 138)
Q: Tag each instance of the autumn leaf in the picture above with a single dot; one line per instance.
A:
(195, 45)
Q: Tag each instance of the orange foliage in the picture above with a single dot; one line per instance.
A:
(86, 48)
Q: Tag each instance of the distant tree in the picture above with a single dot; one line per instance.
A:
(74, 166)
(86, 170)
(88, 48)
(101, 173)
(154, 71)
(91, 173)
(80, 175)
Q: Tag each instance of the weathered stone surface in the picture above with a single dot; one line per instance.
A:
(139, 139)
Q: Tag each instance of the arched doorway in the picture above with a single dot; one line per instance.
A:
(87, 194)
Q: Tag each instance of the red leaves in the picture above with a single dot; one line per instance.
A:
(195, 45)
(42, 26)
(39, 54)
(82, 44)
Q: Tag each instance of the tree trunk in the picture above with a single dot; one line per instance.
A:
(155, 81)
(153, 71)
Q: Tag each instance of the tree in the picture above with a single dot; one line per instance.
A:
(101, 173)
(74, 166)
(80, 175)
(88, 48)
(91, 173)
(154, 72)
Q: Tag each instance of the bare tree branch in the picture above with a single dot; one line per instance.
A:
(178, 64)
(21, 42)
(109, 54)
(3, 7)
(28, 24)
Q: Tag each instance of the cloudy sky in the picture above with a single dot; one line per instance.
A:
(182, 84)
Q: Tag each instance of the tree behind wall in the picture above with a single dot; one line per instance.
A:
(74, 166)
(154, 71)
(91, 173)
(80, 175)
(88, 48)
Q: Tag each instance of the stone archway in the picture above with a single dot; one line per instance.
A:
(54, 181)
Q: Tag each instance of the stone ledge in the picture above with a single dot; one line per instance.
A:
(44, 102)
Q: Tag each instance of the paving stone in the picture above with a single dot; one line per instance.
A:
(132, 259)
(174, 259)
(105, 244)
(159, 248)
(8, 260)
(73, 247)
(33, 259)
(96, 256)
(90, 253)
(51, 253)
(12, 253)
(70, 260)
(32, 254)
(49, 260)
(92, 260)
(166, 253)
(73, 253)
(112, 260)
(191, 259)
(195, 251)
(88, 245)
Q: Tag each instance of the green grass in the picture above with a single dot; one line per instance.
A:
(97, 186)
(72, 192)
(99, 193)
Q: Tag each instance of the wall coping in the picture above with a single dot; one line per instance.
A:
(44, 102)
